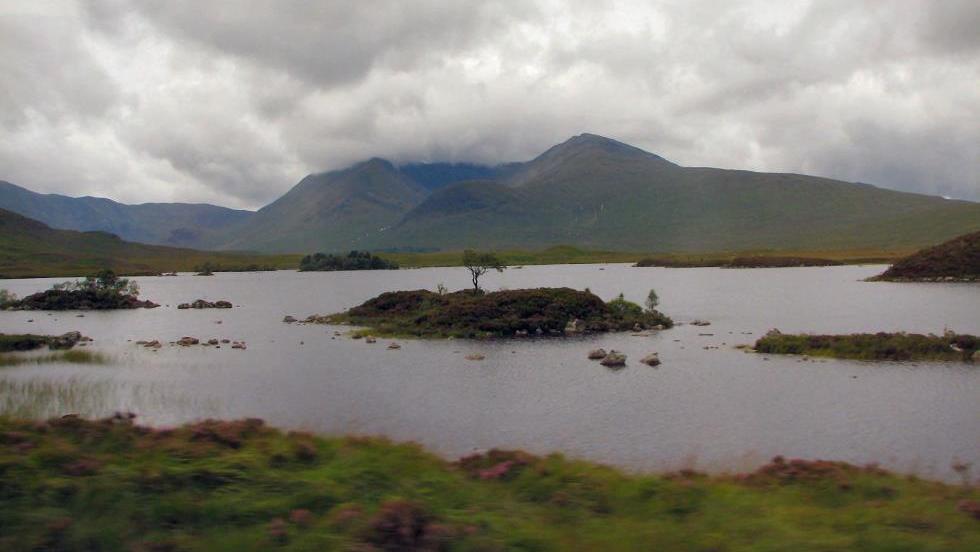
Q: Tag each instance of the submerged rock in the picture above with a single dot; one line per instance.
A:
(614, 358)
(475, 356)
(700, 323)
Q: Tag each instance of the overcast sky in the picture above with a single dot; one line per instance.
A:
(233, 102)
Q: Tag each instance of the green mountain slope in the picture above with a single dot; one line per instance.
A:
(31, 248)
(332, 211)
(178, 224)
(596, 192)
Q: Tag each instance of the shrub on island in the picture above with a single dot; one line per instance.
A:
(355, 260)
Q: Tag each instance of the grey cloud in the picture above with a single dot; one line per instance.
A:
(233, 102)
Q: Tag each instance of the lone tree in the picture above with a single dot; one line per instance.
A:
(479, 264)
(652, 301)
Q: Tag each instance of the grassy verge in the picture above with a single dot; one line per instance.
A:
(574, 255)
(541, 311)
(879, 346)
(71, 484)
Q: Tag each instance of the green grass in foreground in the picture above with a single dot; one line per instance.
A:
(572, 255)
(70, 484)
(879, 346)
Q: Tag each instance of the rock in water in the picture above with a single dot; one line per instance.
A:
(651, 360)
(597, 354)
(289, 319)
(186, 341)
(475, 356)
(614, 358)
(394, 346)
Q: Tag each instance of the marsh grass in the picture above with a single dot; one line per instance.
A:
(73, 356)
(878, 346)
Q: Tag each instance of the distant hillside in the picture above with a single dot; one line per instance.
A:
(31, 248)
(177, 224)
(958, 259)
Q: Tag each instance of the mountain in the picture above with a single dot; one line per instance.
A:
(177, 224)
(589, 191)
(32, 248)
(333, 211)
(599, 193)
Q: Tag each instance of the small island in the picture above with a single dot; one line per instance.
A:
(355, 260)
(103, 291)
(957, 260)
(509, 313)
(878, 346)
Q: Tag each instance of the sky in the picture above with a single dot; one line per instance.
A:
(232, 103)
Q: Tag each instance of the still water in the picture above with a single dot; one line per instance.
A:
(712, 409)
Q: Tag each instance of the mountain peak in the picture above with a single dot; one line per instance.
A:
(589, 142)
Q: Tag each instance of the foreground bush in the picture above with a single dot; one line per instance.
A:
(879, 346)
(72, 484)
(541, 311)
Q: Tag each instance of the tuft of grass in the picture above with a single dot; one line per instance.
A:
(879, 346)
(73, 484)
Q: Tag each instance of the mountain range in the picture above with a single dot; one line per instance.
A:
(588, 191)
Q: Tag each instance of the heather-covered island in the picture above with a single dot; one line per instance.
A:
(957, 260)
(73, 484)
(507, 313)
(879, 346)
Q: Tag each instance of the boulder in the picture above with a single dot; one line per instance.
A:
(289, 319)
(184, 306)
(651, 360)
(700, 323)
(597, 354)
(187, 341)
(238, 345)
(222, 305)
(212, 341)
(394, 346)
(637, 327)
(475, 356)
(370, 339)
(614, 358)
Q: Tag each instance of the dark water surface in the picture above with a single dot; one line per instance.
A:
(711, 409)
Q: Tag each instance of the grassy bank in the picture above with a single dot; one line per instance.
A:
(879, 346)
(540, 311)
(575, 255)
(70, 484)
